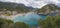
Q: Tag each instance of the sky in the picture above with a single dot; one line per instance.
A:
(35, 3)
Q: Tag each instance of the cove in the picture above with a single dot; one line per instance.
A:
(30, 19)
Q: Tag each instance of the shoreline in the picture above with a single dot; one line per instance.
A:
(12, 16)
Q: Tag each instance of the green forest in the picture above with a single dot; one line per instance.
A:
(4, 23)
(50, 22)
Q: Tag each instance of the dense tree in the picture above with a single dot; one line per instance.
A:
(50, 22)
(5, 21)
(1, 22)
(21, 25)
(57, 21)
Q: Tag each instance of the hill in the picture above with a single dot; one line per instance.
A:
(47, 9)
(14, 7)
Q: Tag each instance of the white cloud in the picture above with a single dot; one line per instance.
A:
(34, 3)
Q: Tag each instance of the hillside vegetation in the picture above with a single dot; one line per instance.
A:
(7, 6)
(48, 8)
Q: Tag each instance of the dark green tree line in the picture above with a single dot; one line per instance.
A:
(50, 22)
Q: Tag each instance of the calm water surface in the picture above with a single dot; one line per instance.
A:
(30, 19)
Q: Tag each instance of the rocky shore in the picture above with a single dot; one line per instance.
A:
(11, 17)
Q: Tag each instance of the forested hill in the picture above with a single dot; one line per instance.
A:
(14, 6)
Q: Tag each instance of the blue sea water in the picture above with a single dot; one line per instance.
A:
(30, 19)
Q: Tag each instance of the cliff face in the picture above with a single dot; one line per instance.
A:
(50, 8)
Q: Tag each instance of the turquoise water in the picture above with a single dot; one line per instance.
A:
(30, 19)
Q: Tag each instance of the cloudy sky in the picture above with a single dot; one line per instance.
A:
(34, 3)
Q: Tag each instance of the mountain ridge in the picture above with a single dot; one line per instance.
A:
(48, 9)
(15, 6)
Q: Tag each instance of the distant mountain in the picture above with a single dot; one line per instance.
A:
(48, 9)
(14, 6)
